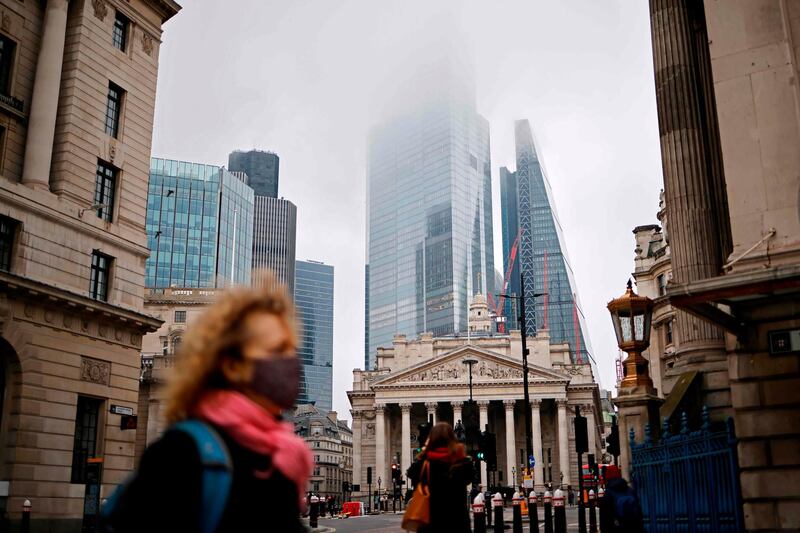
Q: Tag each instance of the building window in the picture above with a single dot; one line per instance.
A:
(101, 270)
(176, 344)
(105, 185)
(8, 228)
(113, 109)
(180, 317)
(7, 49)
(661, 280)
(668, 333)
(84, 446)
(119, 37)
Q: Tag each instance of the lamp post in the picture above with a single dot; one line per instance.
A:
(470, 361)
(631, 315)
(525, 352)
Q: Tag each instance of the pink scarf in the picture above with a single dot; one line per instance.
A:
(254, 428)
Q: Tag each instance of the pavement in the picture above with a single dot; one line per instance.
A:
(390, 523)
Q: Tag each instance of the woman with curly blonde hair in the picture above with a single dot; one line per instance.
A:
(227, 462)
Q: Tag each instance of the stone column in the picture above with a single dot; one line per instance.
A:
(44, 101)
(697, 220)
(511, 443)
(405, 450)
(431, 406)
(483, 420)
(536, 429)
(380, 443)
(591, 429)
(457, 412)
(356, 446)
(563, 440)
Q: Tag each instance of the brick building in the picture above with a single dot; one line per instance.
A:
(77, 95)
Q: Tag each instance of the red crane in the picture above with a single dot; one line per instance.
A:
(499, 306)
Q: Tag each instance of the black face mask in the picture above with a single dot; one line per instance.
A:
(277, 379)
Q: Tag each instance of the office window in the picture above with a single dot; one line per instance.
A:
(8, 228)
(84, 447)
(104, 189)
(7, 49)
(661, 281)
(113, 109)
(119, 36)
(101, 270)
(180, 317)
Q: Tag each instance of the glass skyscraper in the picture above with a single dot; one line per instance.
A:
(199, 226)
(509, 216)
(542, 255)
(261, 167)
(429, 215)
(274, 235)
(313, 298)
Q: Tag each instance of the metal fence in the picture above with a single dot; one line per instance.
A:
(688, 482)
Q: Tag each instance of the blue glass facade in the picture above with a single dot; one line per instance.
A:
(509, 216)
(199, 226)
(429, 215)
(313, 298)
(542, 242)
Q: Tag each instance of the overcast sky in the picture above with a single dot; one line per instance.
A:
(297, 77)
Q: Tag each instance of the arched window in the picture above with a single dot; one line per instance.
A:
(176, 344)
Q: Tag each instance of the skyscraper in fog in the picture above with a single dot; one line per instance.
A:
(261, 168)
(509, 217)
(274, 236)
(313, 298)
(528, 207)
(429, 208)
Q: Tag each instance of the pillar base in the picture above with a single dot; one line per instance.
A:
(638, 406)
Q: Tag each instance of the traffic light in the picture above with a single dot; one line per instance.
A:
(612, 442)
(395, 472)
(345, 486)
(424, 431)
(491, 452)
(482, 439)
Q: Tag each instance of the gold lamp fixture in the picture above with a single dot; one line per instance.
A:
(631, 315)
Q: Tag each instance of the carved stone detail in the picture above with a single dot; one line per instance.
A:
(561, 402)
(509, 403)
(147, 43)
(118, 334)
(405, 407)
(5, 23)
(95, 371)
(49, 316)
(100, 9)
(369, 430)
(454, 371)
(483, 404)
(29, 311)
(536, 403)
(102, 330)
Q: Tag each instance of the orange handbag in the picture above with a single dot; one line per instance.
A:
(418, 512)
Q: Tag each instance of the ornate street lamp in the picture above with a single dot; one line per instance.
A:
(631, 315)
(470, 361)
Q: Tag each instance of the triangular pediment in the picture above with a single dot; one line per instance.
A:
(449, 368)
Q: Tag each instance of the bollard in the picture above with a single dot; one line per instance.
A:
(25, 526)
(313, 516)
(516, 507)
(479, 514)
(497, 508)
(548, 512)
(592, 512)
(533, 513)
(559, 512)
(489, 511)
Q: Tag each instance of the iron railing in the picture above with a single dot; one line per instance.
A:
(688, 482)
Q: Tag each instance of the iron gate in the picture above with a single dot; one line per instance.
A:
(688, 482)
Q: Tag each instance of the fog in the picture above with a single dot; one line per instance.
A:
(306, 79)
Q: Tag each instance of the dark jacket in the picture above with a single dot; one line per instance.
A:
(448, 494)
(609, 522)
(164, 496)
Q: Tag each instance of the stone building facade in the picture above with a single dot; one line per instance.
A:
(415, 379)
(729, 119)
(77, 99)
(331, 443)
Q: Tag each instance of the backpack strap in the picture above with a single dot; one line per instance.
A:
(217, 470)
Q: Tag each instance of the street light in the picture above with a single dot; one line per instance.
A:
(470, 361)
(528, 422)
(631, 315)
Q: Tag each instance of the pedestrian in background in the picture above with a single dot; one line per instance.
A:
(448, 474)
(620, 510)
(237, 370)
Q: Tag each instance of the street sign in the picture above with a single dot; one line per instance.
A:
(121, 410)
(531, 461)
(527, 482)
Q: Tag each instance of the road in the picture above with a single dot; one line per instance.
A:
(390, 523)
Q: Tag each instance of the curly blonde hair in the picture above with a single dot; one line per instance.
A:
(219, 334)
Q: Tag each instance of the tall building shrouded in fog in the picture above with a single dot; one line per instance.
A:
(199, 226)
(509, 214)
(313, 298)
(261, 167)
(528, 208)
(274, 236)
(429, 208)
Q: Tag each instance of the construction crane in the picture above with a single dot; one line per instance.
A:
(499, 306)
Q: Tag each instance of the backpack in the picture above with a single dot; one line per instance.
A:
(627, 513)
(217, 474)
